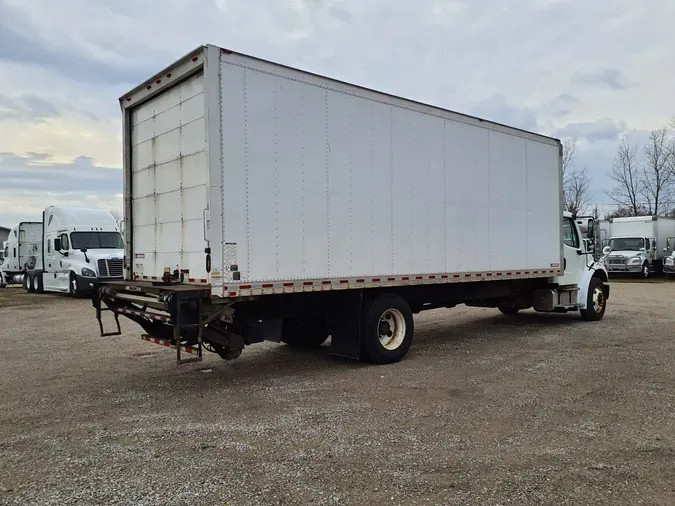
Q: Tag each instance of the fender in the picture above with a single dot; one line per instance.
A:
(596, 270)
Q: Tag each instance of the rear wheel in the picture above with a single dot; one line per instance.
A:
(39, 286)
(387, 329)
(596, 302)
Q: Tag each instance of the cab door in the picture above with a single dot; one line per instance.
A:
(576, 260)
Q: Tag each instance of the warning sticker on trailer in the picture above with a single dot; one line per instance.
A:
(140, 255)
(555, 265)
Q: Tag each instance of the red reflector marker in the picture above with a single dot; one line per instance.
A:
(195, 58)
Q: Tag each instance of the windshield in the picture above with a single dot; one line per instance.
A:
(627, 244)
(96, 240)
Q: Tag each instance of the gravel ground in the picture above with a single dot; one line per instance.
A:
(487, 410)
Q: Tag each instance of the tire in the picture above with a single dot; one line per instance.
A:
(596, 302)
(31, 283)
(73, 286)
(508, 308)
(39, 286)
(645, 270)
(26, 283)
(387, 331)
(305, 333)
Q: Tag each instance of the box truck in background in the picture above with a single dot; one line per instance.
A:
(639, 244)
(22, 252)
(78, 246)
(263, 202)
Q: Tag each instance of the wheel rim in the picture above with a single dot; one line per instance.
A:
(73, 284)
(645, 271)
(391, 329)
(598, 300)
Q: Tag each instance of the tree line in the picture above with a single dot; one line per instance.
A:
(642, 175)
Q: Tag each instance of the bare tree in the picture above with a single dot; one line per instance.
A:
(659, 171)
(577, 198)
(576, 183)
(628, 179)
(569, 154)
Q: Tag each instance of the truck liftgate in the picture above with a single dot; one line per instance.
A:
(170, 315)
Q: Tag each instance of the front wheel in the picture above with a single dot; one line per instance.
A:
(645, 270)
(74, 287)
(387, 329)
(596, 302)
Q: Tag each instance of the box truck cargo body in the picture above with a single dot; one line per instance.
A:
(269, 194)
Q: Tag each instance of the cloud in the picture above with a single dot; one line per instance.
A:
(26, 107)
(30, 182)
(38, 172)
(607, 77)
(526, 63)
(605, 129)
(496, 108)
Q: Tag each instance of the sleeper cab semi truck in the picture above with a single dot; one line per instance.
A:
(263, 202)
(22, 252)
(79, 246)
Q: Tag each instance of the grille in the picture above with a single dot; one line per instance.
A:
(111, 268)
(616, 260)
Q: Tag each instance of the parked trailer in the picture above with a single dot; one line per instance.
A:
(80, 245)
(22, 252)
(639, 244)
(266, 203)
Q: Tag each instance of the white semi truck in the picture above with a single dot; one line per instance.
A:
(22, 252)
(79, 245)
(263, 202)
(639, 244)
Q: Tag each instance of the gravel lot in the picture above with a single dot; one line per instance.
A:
(540, 409)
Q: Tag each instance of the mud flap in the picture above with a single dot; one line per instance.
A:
(345, 324)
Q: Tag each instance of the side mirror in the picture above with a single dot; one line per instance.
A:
(665, 250)
(606, 250)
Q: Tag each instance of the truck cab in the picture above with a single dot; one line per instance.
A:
(632, 255)
(80, 246)
(669, 257)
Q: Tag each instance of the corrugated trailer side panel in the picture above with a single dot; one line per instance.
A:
(325, 180)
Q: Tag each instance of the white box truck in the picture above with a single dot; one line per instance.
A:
(639, 244)
(79, 245)
(263, 202)
(22, 252)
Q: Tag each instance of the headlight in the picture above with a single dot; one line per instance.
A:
(88, 273)
(635, 261)
(669, 261)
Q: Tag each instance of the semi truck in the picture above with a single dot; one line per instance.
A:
(21, 252)
(639, 244)
(78, 246)
(266, 203)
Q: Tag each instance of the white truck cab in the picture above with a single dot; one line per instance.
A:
(669, 257)
(632, 255)
(80, 245)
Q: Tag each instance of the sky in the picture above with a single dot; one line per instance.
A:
(594, 70)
